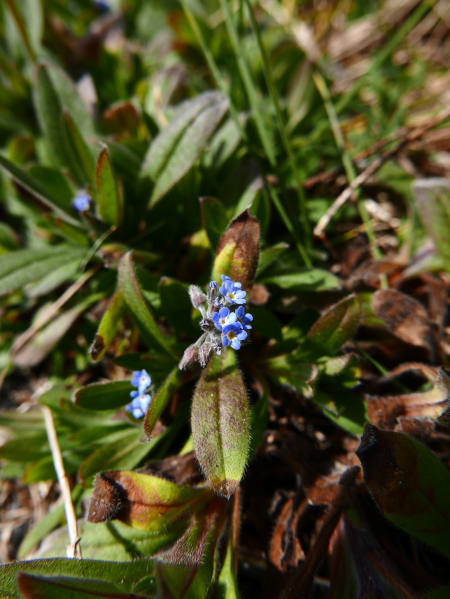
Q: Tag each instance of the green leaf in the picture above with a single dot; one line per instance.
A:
(342, 406)
(160, 401)
(56, 93)
(269, 255)
(109, 201)
(123, 575)
(109, 327)
(132, 293)
(46, 195)
(238, 251)
(104, 396)
(177, 147)
(214, 219)
(220, 423)
(259, 417)
(20, 267)
(29, 19)
(223, 144)
(227, 585)
(433, 203)
(177, 308)
(80, 154)
(409, 483)
(143, 501)
(334, 328)
(54, 279)
(158, 365)
(300, 279)
(40, 587)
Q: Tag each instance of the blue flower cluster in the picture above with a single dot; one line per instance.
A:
(224, 320)
(141, 400)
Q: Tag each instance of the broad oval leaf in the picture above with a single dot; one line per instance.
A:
(409, 483)
(177, 147)
(220, 422)
(132, 293)
(238, 251)
(109, 201)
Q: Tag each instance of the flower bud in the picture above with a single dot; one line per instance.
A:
(189, 358)
(198, 298)
(204, 354)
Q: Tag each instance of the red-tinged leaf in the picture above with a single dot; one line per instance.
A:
(403, 316)
(109, 200)
(238, 251)
(409, 483)
(132, 293)
(336, 326)
(56, 587)
(122, 118)
(220, 423)
(142, 501)
(160, 401)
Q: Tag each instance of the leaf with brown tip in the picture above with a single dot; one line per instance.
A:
(238, 251)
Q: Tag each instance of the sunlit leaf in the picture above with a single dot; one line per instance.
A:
(108, 327)
(109, 201)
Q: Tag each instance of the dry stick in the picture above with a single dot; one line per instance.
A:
(370, 170)
(73, 548)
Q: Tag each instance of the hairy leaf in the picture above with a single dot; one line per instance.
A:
(238, 251)
(177, 147)
(220, 423)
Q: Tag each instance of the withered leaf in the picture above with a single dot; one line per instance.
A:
(403, 316)
(238, 251)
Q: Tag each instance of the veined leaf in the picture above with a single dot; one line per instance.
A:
(177, 147)
(220, 423)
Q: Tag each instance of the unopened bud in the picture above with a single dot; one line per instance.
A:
(198, 298)
(189, 358)
(212, 292)
(204, 354)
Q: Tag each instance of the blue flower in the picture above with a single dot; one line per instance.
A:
(139, 406)
(233, 335)
(81, 201)
(232, 292)
(141, 379)
(223, 318)
(213, 285)
(244, 319)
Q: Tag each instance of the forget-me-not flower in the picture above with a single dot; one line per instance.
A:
(81, 201)
(139, 406)
(142, 380)
(243, 319)
(232, 292)
(233, 335)
(223, 318)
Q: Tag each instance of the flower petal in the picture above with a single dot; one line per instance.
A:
(235, 344)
